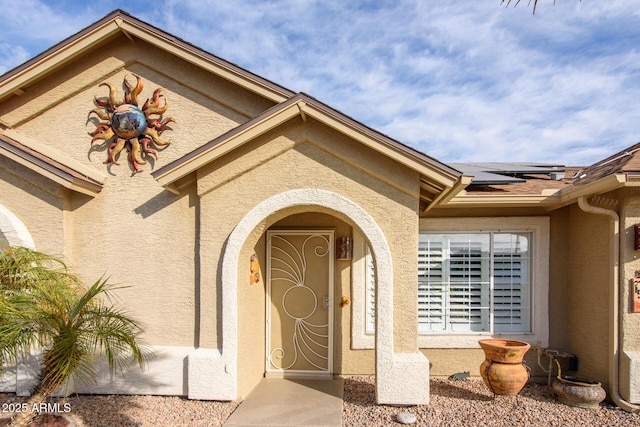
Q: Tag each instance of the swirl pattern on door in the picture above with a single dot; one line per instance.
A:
(299, 306)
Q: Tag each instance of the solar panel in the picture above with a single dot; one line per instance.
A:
(493, 173)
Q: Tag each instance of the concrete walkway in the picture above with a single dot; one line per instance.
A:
(291, 402)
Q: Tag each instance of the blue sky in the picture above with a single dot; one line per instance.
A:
(459, 80)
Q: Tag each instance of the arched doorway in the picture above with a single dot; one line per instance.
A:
(401, 378)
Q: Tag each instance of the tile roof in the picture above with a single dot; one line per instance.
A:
(533, 184)
(625, 161)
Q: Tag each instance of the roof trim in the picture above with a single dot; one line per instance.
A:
(17, 79)
(73, 178)
(550, 199)
(306, 106)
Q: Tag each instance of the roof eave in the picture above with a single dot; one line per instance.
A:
(15, 81)
(548, 199)
(511, 200)
(449, 193)
(48, 170)
(303, 106)
(604, 185)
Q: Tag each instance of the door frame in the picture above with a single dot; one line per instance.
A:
(269, 371)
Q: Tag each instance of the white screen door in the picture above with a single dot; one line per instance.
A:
(300, 302)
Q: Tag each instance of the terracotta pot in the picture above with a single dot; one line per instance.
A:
(503, 369)
(579, 392)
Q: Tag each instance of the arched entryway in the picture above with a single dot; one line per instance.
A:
(400, 378)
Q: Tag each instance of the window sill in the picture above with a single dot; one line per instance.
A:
(471, 341)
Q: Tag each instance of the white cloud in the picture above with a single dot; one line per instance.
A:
(459, 80)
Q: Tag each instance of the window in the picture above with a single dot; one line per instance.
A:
(474, 282)
(481, 278)
(476, 278)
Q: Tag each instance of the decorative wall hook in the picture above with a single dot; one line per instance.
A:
(254, 269)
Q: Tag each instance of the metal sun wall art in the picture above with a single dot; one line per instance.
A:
(127, 125)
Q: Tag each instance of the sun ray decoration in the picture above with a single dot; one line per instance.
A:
(127, 125)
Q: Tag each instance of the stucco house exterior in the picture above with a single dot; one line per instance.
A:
(262, 232)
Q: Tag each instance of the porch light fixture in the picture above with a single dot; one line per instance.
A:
(636, 235)
(344, 248)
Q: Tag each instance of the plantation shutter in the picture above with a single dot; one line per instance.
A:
(512, 282)
(431, 285)
(453, 283)
(468, 282)
(469, 268)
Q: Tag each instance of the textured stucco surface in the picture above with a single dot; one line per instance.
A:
(134, 232)
(23, 192)
(630, 323)
(589, 281)
(169, 249)
(303, 164)
(310, 159)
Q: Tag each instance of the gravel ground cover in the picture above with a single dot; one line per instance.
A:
(453, 403)
(470, 403)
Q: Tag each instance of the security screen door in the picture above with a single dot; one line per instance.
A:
(299, 302)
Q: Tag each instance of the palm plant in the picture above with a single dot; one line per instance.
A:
(23, 268)
(516, 2)
(42, 305)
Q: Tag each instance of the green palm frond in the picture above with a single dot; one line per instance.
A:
(42, 304)
(516, 2)
(22, 268)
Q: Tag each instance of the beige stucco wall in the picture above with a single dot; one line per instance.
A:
(24, 192)
(134, 231)
(589, 281)
(251, 326)
(590, 286)
(629, 347)
(630, 216)
(559, 293)
(308, 156)
(168, 247)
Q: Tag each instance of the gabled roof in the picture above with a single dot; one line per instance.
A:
(118, 22)
(45, 163)
(438, 181)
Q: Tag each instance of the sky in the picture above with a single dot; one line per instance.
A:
(460, 80)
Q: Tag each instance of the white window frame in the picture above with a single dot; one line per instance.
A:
(360, 339)
(539, 228)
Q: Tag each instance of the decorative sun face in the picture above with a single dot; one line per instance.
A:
(127, 125)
